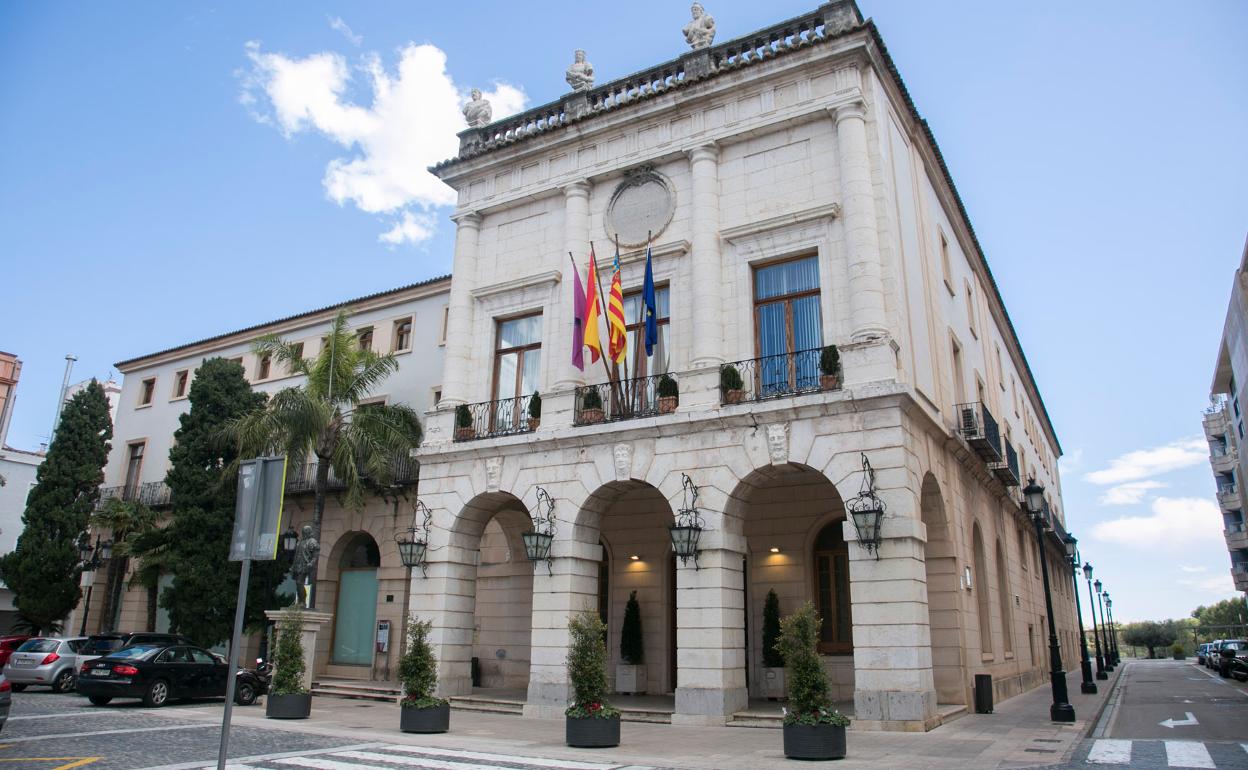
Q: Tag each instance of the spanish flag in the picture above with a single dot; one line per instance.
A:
(617, 330)
(592, 339)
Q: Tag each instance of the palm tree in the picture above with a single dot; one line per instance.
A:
(129, 522)
(324, 418)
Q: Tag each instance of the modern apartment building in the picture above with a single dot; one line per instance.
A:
(1224, 424)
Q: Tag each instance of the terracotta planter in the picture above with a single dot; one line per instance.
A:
(829, 381)
(667, 404)
(298, 706)
(592, 733)
(591, 416)
(533, 423)
(816, 742)
(431, 720)
(733, 396)
(464, 434)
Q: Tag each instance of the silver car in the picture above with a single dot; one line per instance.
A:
(44, 661)
(6, 700)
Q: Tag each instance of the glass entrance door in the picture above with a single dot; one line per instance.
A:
(356, 617)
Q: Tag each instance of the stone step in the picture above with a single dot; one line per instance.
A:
(361, 691)
(485, 705)
(646, 715)
(748, 719)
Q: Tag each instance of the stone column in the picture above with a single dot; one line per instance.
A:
(459, 322)
(862, 238)
(311, 627)
(576, 241)
(893, 684)
(571, 588)
(710, 639)
(707, 279)
(447, 598)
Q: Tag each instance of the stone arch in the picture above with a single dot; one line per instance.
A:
(941, 567)
(979, 587)
(355, 561)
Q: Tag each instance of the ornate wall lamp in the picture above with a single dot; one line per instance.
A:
(867, 510)
(687, 530)
(537, 541)
(414, 543)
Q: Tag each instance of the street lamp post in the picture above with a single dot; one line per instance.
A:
(1088, 686)
(90, 558)
(1061, 710)
(1109, 654)
(1096, 634)
(1113, 629)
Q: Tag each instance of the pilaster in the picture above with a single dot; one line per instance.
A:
(459, 319)
(707, 278)
(862, 238)
(447, 597)
(710, 639)
(570, 588)
(576, 242)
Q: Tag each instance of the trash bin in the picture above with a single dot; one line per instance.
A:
(983, 693)
(476, 673)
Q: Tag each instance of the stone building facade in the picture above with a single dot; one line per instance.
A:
(793, 199)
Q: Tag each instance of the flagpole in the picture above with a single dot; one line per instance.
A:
(602, 309)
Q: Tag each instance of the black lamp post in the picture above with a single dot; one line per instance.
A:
(90, 558)
(1060, 710)
(686, 532)
(1113, 629)
(1096, 634)
(1088, 686)
(1109, 654)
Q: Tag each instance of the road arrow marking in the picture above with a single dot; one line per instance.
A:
(1173, 723)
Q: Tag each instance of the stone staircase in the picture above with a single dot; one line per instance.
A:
(376, 691)
(485, 704)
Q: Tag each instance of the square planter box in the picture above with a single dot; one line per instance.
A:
(773, 684)
(431, 720)
(288, 706)
(815, 742)
(630, 679)
(592, 733)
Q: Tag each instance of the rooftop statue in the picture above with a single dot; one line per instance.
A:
(478, 112)
(581, 74)
(700, 32)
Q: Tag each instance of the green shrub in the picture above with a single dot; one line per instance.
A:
(288, 654)
(830, 360)
(463, 417)
(587, 668)
(730, 378)
(591, 399)
(771, 631)
(535, 406)
(418, 670)
(632, 650)
(809, 701)
(668, 387)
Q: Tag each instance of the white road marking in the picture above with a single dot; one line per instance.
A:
(111, 732)
(202, 765)
(1173, 723)
(74, 714)
(1107, 751)
(319, 764)
(1188, 754)
(555, 763)
(421, 762)
(450, 763)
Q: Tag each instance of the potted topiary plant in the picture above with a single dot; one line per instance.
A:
(1177, 649)
(463, 423)
(630, 674)
(591, 407)
(535, 411)
(669, 394)
(288, 698)
(773, 661)
(830, 368)
(812, 728)
(591, 723)
(420, 711)
(731, 384)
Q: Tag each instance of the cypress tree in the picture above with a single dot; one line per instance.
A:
(203, 483)
(771, 631)
(43, 570)
(632, 650)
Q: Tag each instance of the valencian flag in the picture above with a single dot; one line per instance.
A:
(590, 328)
(578, 318)
(649, 300)
(617, 331)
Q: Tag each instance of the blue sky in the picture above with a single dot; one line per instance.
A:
(1099, 147)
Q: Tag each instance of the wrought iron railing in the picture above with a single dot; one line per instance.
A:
(503, 417)
(979, 428)
(153, 494)
(622, 400)
(1235, 528)
(786, 374)
(301, 479)
(1007, 469)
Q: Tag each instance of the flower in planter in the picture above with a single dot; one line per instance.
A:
(587, 668)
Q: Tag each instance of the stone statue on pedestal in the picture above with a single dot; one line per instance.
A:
(581, 74)
(700, 32)
(304, 562)
(478, 112)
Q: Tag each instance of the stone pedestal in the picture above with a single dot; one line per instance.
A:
(710, 640)
(312, 622)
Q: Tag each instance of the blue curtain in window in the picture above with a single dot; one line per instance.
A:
(773, 343)
(777, 371)
(807, 340)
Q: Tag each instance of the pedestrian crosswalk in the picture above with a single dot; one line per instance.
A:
(396, 756)
(1179, 754)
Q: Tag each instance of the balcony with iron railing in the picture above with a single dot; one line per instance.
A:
(1007, 470)
(302, 479)
(153, 494)
(625, 399)
(977, 425)
(489, 419)
(1228, 497)
(1224, 461)
(1236, 535)
(1239, 572)
(1216, 421)
(778, 376)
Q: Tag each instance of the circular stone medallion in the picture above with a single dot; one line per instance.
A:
(643, 203)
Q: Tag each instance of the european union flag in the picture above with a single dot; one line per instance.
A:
(648, 299)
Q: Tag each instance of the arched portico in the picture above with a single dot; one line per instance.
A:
(941, 567)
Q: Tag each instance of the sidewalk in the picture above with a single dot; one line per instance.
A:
(1018, 735)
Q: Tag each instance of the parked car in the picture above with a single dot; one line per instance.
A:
(1237, 666)
(1211, 653)
(1228, 651)
(44, 661)
(155, 674)
(10, 643)
(99, 645)
(1200, 653)
(6, 700)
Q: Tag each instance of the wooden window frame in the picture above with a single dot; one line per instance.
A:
(840, 647)
(360, 335)
(521, 350)
(141, 445)
(147, 391)
(181, 378)
(946, 266)
(264, 367)
(410, 321)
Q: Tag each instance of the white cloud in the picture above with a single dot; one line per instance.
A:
(1174, 521)
(1191, 569)
(1071, 461)
(410, 124)
(338, 25)
(1222, 585)
(1130, 493)
(1144, 463)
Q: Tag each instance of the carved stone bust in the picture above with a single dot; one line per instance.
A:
(478, 112)
(700, 31)
(493, 473)
(778, 443)
(581, 74)
(623, 455)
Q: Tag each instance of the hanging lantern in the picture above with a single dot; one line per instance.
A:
(537, 541)
(290, 540)
(686, 532)
(414, 543)
(105, 549)
(1033, 497)
(866, 510)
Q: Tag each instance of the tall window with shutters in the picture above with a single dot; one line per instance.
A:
(788, 328)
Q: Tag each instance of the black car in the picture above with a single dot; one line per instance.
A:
(154, 673)
(1228, 652)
